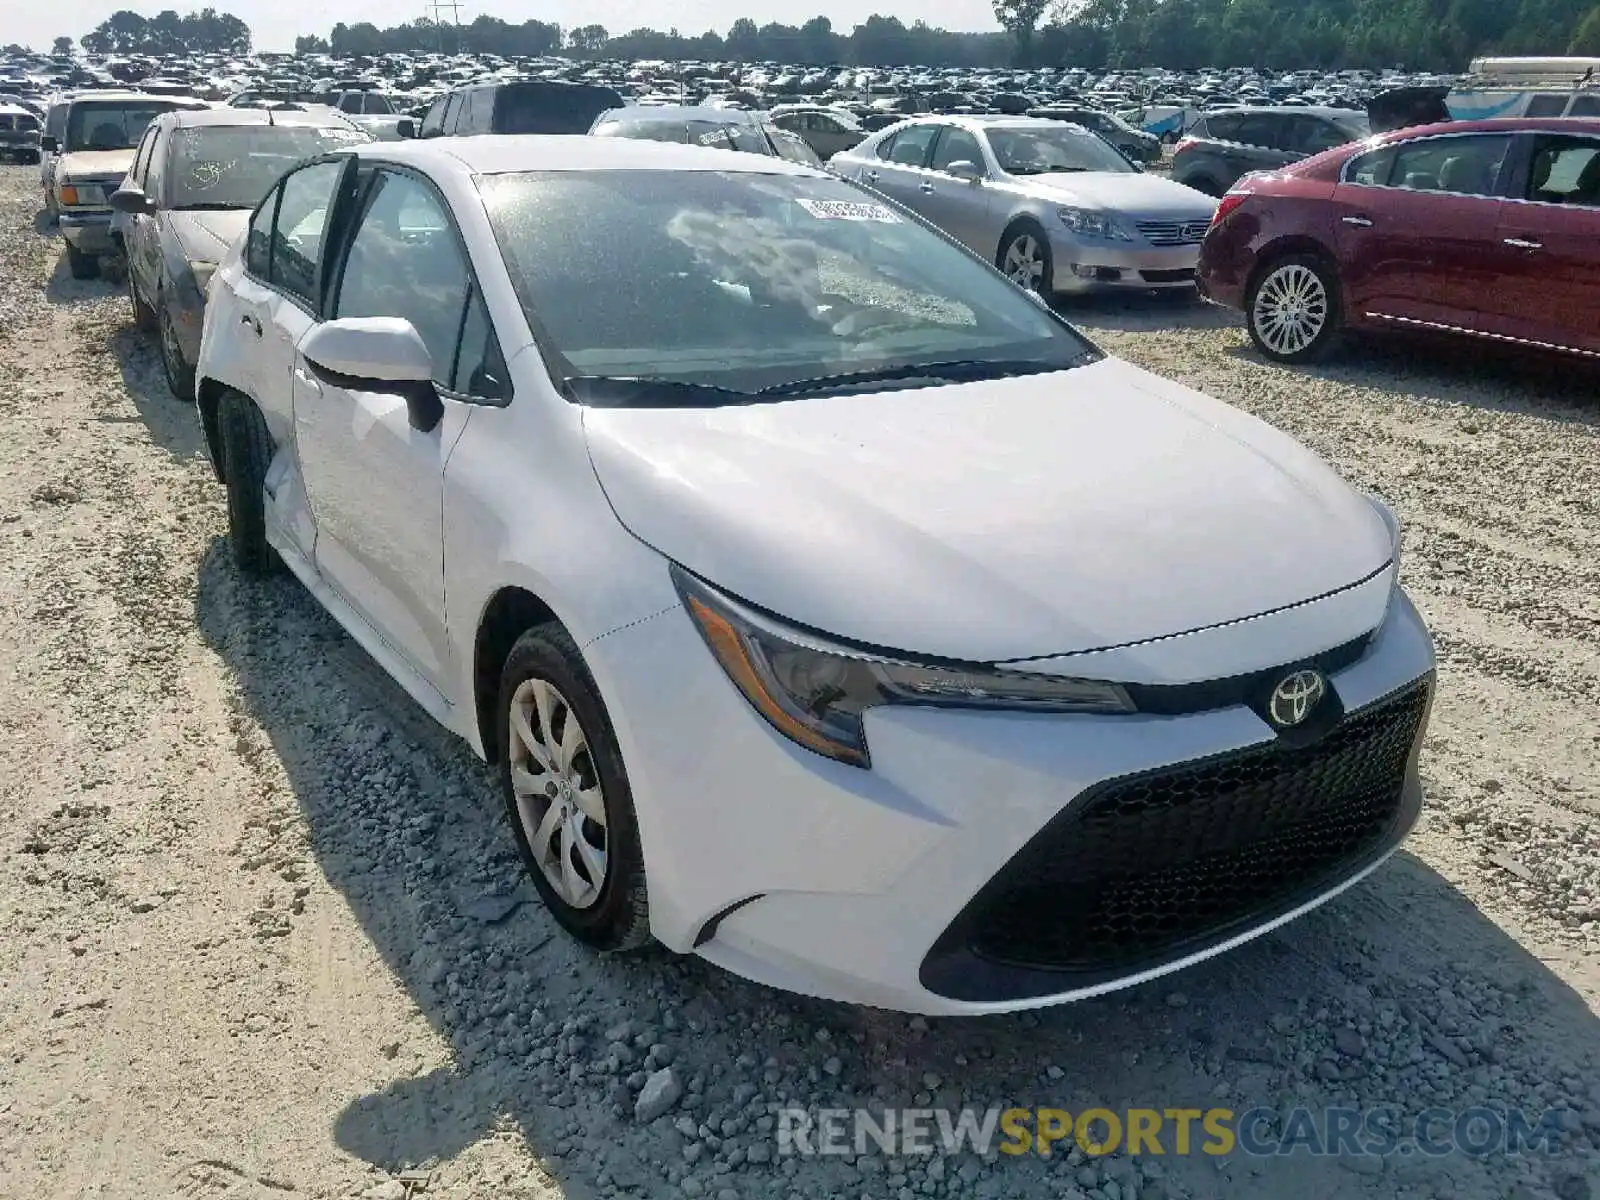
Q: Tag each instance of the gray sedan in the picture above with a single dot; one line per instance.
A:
(195, 178)
(1051, 204)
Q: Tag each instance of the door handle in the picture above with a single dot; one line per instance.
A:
(253, 323)
(927, 188)
(1523, 243)
(870, 176)
(1358, 222)
(307, 380)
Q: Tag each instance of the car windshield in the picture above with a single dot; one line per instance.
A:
(233, 166)
(723, 135)
(110, 126)
(704, 287)
(1040, 151)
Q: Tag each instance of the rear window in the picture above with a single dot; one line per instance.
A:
(551, 108)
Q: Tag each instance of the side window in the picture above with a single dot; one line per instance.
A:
(479, 370)
(376, 102)
(405, 261)
(452, 112)
(1547, 105)
(1263, 130)
(954, 145)
(1371, 170)
(1312, 135)
(350, 102)
(1462, 166)
(141, 158)
(886, 148)
(306, 199)
(1566, 170)
(1585, 106)
(258, 242)
(1223, 129)
(154, 169)
(911, 145)
(433, 119)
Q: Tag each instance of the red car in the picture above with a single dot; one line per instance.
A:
(1489, 229)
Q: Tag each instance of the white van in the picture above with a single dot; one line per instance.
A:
(1527, 87)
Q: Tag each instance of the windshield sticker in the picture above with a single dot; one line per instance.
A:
(849, 210)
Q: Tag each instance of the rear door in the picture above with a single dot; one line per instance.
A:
(1548, 242)
(1415, 221)
(901, 168)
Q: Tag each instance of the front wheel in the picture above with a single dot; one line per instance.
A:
(1025, 258)
(180, 375)
(567, 793)
(1293, 311)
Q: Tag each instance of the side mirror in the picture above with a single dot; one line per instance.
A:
(131, 199)
(49, 144)
(963, 168)
(377, 354)
(406, 127)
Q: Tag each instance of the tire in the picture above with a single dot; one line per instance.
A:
(1293, 309)
(81, 265)
(144, 317)
(246, 453)
(1032, 266)
(180, 375)
(545, 681)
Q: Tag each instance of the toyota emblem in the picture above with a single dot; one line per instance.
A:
(1295, 697)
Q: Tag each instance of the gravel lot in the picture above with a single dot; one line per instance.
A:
(265, 935)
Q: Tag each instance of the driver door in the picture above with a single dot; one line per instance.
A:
(957, 205)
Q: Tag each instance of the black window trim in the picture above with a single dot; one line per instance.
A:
(313, 306)
(364, 195)
(945, 130)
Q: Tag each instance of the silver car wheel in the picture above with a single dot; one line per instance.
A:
(1024, 261)
(560, 804)
(1291, 309)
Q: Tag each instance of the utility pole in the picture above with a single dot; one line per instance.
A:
(438, 8)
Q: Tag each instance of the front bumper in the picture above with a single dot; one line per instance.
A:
(1083, 265)
(88, 232)
(913, 886)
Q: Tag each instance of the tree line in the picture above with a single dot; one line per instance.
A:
(203, 32)
(1437, 35)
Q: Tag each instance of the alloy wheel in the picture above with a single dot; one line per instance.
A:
(171, 352)
(560, 802)
(1024, 261)
(1290, 309)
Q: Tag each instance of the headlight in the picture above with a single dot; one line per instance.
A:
(202, 272)
(1093, 223)
(814, 691)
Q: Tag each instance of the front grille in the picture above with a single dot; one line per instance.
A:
(1151, 867)
(1174, 233)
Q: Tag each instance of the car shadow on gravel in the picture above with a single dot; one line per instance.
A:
(1400, 992)
(62, 289)
(1143, 312)
(173, 424)
(1449, 371)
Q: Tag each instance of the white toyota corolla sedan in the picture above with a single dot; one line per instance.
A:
(834, 610)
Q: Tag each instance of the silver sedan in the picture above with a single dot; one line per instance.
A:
(1052, 205)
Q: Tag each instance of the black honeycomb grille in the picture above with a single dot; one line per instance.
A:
(1144, 868)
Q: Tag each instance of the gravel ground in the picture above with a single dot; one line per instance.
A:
(265, 934)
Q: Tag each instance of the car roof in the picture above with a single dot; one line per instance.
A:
(1287, 110)
(194, 118)
(500, 154)
(133, 97)
(1583, 125)
(683, 112)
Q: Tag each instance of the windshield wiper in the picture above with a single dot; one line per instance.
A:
(642, 391)
(960, 370)
(208, 206)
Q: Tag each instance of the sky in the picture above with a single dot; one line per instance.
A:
(276, 23)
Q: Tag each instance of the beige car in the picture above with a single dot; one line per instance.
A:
(90, 158)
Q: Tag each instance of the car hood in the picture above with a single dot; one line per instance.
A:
(1034, 516)
(94, 164)
(206, 236)
(1129, 192)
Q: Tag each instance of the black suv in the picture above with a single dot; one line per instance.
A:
(522, 106)
(1226, 144)
(1132, 143)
